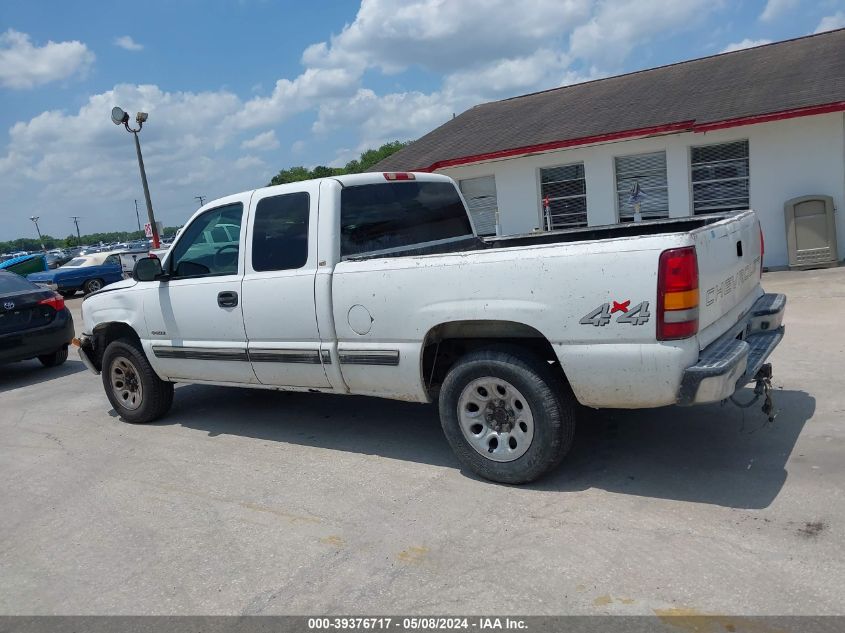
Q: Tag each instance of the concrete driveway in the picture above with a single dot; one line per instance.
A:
(247, 502)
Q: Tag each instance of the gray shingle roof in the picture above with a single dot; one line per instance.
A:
(799, 73)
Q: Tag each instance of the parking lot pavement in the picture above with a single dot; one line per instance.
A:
(247, 502)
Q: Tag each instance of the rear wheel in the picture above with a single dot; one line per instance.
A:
(54, 359)
(507, 415)
(93, 285)
(132, 386)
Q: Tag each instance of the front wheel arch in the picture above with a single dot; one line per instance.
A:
(105, 333)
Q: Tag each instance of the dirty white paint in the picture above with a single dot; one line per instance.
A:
(788, 158)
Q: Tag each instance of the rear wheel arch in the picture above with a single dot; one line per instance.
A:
(446, 343)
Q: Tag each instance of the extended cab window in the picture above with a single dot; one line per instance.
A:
(280, 233)
(399, 214)
(210, 245)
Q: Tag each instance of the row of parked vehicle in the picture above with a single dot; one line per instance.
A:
(34, 321)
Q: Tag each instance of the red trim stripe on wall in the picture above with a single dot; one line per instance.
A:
(669, 128)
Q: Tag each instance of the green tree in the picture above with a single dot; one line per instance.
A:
(356, 166)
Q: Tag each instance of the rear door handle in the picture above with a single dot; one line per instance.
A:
(227, 299)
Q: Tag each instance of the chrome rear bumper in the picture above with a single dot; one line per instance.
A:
(730, 363)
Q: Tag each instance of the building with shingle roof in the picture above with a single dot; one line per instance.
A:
(752, 128)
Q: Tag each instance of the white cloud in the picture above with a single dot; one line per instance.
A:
(262, 142)
(516, 75)
(617, 28)
(127, 43)
(293, 96)
(776, 8)
(746, 43)
(82, 156)
(248, 162)
(445, 36)
(24, 65)
(831, 22)
(394, 116)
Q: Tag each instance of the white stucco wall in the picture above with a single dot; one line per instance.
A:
(787, 158)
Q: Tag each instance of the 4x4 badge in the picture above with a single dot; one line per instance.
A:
(601, 316)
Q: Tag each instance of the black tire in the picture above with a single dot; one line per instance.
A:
(550, 401)
(54, 359)
(156, 395)
(67, 294)
(92, 285)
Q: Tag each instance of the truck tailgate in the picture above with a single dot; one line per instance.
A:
(729, 260)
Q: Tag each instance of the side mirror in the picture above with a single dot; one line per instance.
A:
(147, 269)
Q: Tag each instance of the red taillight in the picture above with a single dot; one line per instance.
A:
(398, 175)
(56, 302)
(677, 294)
(762, 248)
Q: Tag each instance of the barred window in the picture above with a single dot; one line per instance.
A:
(480, 195)
(564, 196)
(719, 175)
(649, 171)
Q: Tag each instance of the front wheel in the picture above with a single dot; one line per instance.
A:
(507, 415)
(132, 386)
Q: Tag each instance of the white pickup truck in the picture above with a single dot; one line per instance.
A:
(376, 284)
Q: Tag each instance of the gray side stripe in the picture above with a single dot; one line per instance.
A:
(306, 356)
(200, 353)
(374, 357)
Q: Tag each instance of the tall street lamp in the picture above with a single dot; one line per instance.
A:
(119, 117)
(35, 218)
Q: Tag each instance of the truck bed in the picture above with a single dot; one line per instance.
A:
(579, 234)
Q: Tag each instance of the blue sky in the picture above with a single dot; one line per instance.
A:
(237, 90)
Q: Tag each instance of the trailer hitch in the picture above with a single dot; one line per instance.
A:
(762, 387)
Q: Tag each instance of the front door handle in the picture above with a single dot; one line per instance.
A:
(227, 299)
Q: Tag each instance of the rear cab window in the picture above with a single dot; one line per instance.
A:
(392, 216)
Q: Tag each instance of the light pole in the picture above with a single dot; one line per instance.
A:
(75, 219)
(200, 199)
(34, 218)
(119, 117)
(137, 216)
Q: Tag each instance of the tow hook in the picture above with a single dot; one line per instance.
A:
(762, 387)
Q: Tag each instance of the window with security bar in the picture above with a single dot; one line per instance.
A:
(480, 195)
(719, 175)
(563, 196)
(641, 178)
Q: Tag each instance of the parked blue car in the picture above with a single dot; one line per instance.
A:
(88, 273)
